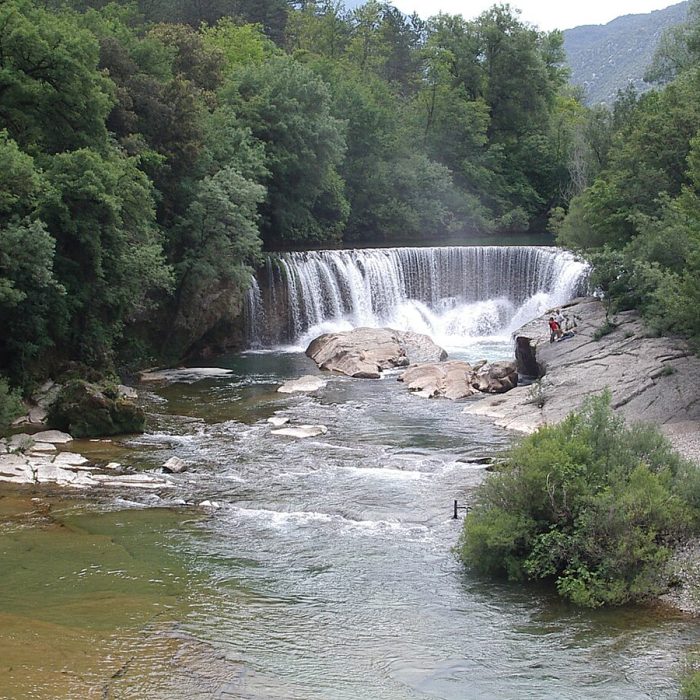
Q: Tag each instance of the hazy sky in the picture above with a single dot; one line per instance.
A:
(546, 14)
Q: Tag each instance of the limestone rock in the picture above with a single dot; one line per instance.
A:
(278, 421)
(55, 437)
(89, 410)
(366, 352)
(307, 383)
(175, 465)
(652, 379)
(302, 431)
(451, 379)
(37, 414)
(496, 378)
(127, 392)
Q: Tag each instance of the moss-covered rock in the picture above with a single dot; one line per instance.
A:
(91, 410)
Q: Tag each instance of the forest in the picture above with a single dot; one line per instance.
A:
(153, 151)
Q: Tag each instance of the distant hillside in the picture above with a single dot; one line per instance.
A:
(606, 57)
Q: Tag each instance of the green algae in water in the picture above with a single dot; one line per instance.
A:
(83, 594)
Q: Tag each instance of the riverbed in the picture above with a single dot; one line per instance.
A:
(316, 569)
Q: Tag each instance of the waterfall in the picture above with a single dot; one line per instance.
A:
(454, 294)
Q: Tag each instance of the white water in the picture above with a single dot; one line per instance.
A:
(460, 296)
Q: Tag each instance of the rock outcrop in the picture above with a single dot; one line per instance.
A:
(90, 410)
(366, 352)
(650, 378)
(456, 379)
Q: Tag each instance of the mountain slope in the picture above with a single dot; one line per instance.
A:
(607, 57)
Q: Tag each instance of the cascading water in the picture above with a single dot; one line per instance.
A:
(457, 295)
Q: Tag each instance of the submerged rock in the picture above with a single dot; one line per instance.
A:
(302, 431)
(366, 352)
(307, 383)
(90, 410)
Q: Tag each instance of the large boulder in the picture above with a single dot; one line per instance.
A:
(366, 352)
(496, 378)
(452, 379)
(91, 410)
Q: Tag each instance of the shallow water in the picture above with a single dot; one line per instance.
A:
(326, 572)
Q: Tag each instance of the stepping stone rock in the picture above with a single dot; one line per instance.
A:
(175, 465)
(306, 383)
(55, 436)
(302, 431)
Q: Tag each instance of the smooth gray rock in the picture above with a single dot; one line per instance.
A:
(496, 378)
(366, 352)
(57, 437)
(305, 384)
(278, 421)
(175, 465)
(652, 379)
(451, 379)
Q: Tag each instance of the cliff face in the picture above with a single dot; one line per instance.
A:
(651, 379)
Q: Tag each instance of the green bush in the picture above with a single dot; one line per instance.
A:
(592, 505)
(10, 404)
(690, 682)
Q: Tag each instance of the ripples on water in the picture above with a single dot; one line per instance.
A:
(331, 558)
(327, 571)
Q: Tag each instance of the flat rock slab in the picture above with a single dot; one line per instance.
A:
(185, 375)
(366, 352)
(302, 431)
(278, 421)
(56, 437)
(651, 379)
(305, 384)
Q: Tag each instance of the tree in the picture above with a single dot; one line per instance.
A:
(220, 242)
(287, 107)
(109, 257)
(52, 98)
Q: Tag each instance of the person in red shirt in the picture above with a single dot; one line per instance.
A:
(555, 331)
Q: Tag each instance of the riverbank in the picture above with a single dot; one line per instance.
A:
(650, 378)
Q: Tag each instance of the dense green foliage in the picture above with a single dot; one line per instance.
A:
(590, 504)
(152, 150)
(639, 218)
(690, 682)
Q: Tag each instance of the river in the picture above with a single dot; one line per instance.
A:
(297, 569)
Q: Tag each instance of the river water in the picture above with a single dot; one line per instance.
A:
(325, 572)
(316, 569)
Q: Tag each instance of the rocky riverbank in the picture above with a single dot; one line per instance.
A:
(651, 379)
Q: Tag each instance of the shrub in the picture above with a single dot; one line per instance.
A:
(10, 404)
(607, 328)
(690, 682)
(537, 394)
(592, 505)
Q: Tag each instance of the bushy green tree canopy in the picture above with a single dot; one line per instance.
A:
(590, 504)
